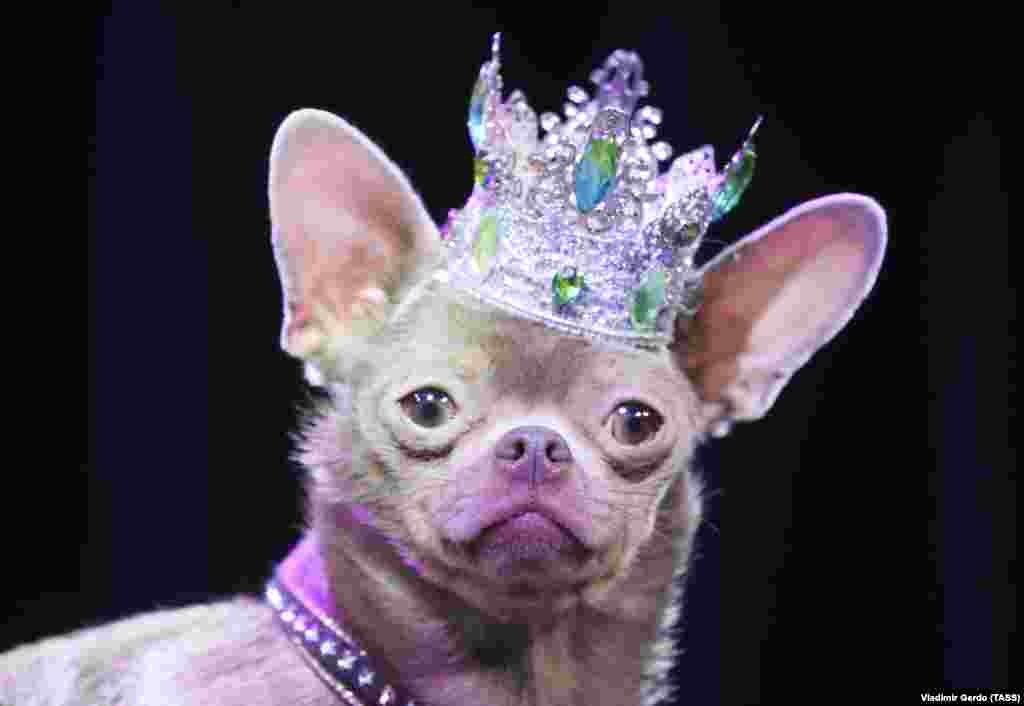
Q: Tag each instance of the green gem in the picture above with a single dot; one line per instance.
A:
(648, 298)
(486, 245)
(481, 170)
(689, 234)
(738, 174)
(567, 288)
(595, 173)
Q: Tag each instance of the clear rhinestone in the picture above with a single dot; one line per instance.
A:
(639, 171)
(570, 110)
(523, 126)
(275, 598)
(649, 132)
(651, 114)
(598, 221)
(534, 206)
(365, 677)
(299, 624)
(545, 199)
(598, 76)
(610, 120)
(288, 616)
(387, 696)
(348, 660)
(559, 156)
(629, 208)
(551, 184)
(661, 150)
(549, 121)
(578, 95)
(312, 635)
(511, 188)
(328, 648)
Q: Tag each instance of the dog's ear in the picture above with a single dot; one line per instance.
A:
(775, 297)
(348, 232)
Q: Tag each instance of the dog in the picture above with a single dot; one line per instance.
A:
(500, 511)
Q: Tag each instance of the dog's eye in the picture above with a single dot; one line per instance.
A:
(428, 407)
(634, 423)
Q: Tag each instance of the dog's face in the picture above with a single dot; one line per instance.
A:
(523, 469)
(518, 467)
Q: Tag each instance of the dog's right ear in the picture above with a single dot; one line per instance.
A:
(348, 233)
(777, 296)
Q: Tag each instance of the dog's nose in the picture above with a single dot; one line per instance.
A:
(533, 454)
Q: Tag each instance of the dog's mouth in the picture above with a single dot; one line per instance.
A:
(528, 542)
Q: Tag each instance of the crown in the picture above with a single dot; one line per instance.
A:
(581, 230)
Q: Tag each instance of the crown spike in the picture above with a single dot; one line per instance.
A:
(621, 81)
(736, 176)
(753, 130)
(485, 101)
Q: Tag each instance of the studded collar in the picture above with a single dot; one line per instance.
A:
(330, 651)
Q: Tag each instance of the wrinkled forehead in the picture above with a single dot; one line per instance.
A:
(446, 328)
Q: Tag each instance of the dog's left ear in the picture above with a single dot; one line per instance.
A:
(775, 297)
(348, 233)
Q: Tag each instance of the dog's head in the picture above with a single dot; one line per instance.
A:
(521, 468)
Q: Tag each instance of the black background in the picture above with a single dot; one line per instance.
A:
(864, 532)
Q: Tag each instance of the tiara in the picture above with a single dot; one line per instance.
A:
(580, 230)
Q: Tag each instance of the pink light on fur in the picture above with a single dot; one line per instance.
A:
(304, 574)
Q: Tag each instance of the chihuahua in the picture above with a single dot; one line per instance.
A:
(499, 511)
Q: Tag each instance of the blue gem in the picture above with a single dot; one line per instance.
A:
(476, 112)
(595, 173)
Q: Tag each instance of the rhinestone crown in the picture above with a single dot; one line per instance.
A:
(579, 230)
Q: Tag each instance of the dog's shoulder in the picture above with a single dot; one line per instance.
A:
(221, 653)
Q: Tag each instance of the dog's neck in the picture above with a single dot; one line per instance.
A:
(437, 647)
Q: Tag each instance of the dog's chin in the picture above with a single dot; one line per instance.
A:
(529, 549)
(525, 566)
